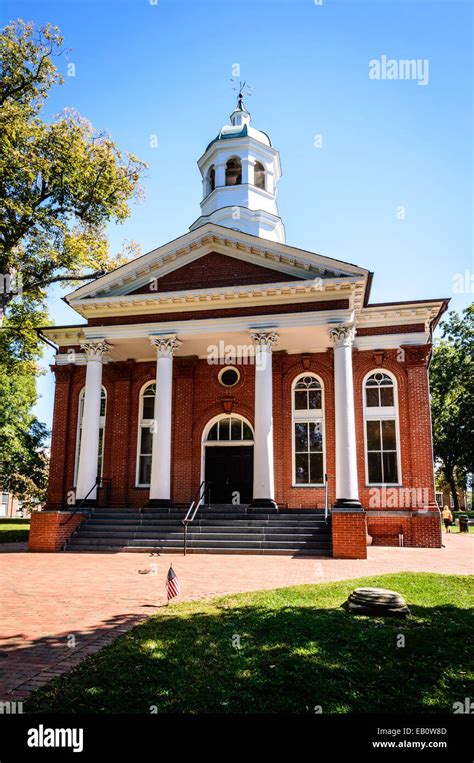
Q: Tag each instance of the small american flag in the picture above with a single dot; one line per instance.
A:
(172, 584)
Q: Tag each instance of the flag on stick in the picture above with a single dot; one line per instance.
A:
(172, 584)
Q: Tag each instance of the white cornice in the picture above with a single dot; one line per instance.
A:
(399, 314)
(207, 326)
(390, 341)
(206, 238)
(236, 296)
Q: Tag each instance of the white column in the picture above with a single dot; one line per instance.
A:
(220, 174)
(247, 171)
(160, 481)
(347, 488)
(89, 449)
(263, 477)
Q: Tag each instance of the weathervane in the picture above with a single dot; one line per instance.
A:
(244, 88)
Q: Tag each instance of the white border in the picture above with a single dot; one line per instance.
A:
(380, 414)
(223, 370)
(320, 417)
(141, 421)
(221, 443)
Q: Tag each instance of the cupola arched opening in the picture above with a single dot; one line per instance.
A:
(233, 171)
(259, 175)
(210, 179)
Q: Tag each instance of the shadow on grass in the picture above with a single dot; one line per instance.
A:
(275, 657)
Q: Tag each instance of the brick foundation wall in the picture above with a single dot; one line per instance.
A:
(419, 529)
(49, 530)
(349, 534)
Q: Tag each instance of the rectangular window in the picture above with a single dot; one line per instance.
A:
(148, 407)
(382, 451)
(144, 471)
(309, 464)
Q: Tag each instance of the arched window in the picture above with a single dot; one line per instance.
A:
(229, 429)
(211, 180)
(233, 171)
(381, 430)
(259, 175)
(308, 430)
(80, 416)
(146, 423)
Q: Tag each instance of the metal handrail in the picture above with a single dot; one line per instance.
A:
(193, 508)
(326, 501)
(97, 484)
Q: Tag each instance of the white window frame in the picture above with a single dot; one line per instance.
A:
(311, 416)
(142, 424)
(382, 413)
(80, 415)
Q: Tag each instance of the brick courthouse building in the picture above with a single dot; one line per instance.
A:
(230, 360)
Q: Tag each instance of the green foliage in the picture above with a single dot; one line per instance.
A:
(452, 399)
(14, 531)
(23, 463)
(61, 184)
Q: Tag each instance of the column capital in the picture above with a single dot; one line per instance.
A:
(95, 349)
(342, 335)
(265, 338)
(165, 345)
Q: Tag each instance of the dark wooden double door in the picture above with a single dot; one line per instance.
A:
(229, 469)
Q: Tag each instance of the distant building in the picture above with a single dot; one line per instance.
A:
(10, 506)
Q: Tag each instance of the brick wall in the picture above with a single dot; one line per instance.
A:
(49, 530)
(213, 270)
(417, 528)
(198, 397)
(349, 534)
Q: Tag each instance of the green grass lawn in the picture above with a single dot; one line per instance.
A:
(455, 529)
(298, 649)
(12, 530)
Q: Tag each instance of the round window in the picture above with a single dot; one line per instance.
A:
(229, 377)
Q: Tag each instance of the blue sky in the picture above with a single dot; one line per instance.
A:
(164, 69)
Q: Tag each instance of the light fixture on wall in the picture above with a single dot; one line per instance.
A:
(227, 404)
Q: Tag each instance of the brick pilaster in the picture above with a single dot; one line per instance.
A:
(49, 530)
(60, 436)
(421, 444)
(182, 483)
(117, 428)
(349, 534)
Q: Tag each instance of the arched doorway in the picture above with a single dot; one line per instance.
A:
(227, 453)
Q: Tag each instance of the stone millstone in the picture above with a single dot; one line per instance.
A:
(377, 601)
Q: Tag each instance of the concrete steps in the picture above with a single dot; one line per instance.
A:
(216, 529)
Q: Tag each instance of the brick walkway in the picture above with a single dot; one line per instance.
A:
(58, 608)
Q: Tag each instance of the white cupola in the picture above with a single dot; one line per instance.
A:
(240, 170)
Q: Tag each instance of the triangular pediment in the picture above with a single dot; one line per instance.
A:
(213, 257)
(214, 270)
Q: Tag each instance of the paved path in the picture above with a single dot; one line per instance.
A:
(58, 608)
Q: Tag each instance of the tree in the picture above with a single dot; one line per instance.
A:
(452, 399)
(60, 183)
(23, 462)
